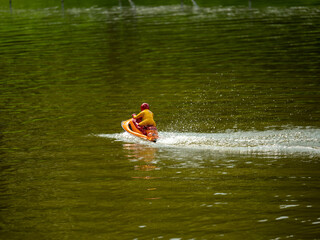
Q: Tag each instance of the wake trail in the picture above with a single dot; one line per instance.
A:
(288, 141)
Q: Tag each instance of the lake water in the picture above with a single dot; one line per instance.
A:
(236, 96)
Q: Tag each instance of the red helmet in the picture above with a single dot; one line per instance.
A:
(144, 106)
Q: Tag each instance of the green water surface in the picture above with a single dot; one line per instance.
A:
(236, 96)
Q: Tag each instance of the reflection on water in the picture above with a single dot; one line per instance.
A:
(142, 154)
(144, 158)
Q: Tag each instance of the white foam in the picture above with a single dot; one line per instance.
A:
(273, 142)
(282, 217)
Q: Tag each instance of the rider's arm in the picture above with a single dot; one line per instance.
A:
(140, 115)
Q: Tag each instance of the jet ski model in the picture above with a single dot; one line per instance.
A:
(150, 132)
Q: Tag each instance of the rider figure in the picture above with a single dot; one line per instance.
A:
(146, 118)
